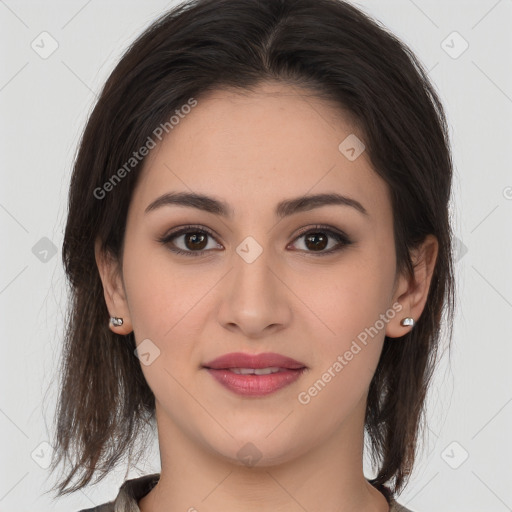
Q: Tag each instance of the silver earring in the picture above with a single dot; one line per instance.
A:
(407, 321)
(115, 321)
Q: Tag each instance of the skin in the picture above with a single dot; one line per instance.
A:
(253, 150)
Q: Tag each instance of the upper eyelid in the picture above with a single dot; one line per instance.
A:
(190, 228)
(185, 229)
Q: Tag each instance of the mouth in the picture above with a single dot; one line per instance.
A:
(255, 375)
(255, 371)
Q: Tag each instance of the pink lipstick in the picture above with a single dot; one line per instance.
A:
(255, 375)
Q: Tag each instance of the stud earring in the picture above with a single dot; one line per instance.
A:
(115, 321)
(407, 321)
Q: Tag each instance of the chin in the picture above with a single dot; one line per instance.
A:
(257, 451)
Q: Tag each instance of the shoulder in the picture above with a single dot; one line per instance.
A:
(396, 507)
(105, 507)
(130, 492)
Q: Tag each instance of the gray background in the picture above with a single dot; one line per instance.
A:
(465, 463)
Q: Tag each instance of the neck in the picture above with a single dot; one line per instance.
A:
(327, 478)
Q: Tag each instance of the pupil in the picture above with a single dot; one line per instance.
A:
(320, 243)
(196, 239)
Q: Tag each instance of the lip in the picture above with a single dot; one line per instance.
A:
(255, 385)
(243, 360)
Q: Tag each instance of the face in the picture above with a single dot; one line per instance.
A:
(311, 281)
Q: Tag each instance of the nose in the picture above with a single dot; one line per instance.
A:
(255, 298)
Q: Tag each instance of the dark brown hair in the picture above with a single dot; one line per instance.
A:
(325, 46)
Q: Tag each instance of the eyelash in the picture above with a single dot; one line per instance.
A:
(340, 237)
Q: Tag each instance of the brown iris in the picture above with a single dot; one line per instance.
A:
(196, 240)
(318, 241)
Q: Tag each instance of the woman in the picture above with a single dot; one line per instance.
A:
(259, 251)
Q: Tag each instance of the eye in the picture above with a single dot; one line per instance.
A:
(318, 238)
(194, 240)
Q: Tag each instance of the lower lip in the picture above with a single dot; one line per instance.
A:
(255, 385)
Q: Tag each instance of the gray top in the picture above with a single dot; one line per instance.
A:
(136, 488)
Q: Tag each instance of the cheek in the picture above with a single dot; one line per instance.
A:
(160, 295)
(168, 305)
(349, 297)
(351, 308)
(161, 302)
(347, 354)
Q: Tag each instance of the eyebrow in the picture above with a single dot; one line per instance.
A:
(283, 209)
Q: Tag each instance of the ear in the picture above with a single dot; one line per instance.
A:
(412, 292)
(113, 289)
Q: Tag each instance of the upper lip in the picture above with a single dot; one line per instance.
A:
(242, 360)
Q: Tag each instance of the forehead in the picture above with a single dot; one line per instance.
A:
(259, 146)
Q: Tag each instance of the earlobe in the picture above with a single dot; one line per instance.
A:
(113, 290)
(412, 292)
